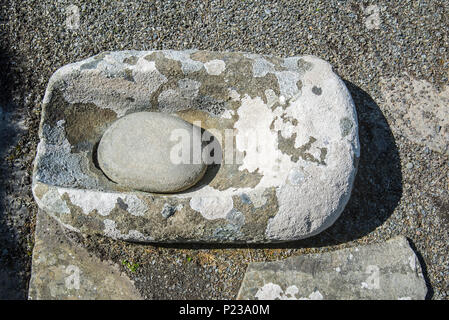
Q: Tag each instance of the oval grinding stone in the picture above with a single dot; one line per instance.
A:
(136, 152)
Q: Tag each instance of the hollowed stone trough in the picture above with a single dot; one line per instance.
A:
(287, 129)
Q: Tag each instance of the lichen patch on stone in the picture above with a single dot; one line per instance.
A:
(215, 67)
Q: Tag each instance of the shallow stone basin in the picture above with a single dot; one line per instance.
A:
(286, 129)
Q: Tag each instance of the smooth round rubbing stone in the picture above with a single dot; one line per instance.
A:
(136, 151)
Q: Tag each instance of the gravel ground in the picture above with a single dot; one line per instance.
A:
(401, 188)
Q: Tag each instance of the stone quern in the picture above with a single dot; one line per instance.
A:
(287, 129)
(386, 271)
(136, 151)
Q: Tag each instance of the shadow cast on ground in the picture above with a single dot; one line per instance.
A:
(12, 261)
(430, 290)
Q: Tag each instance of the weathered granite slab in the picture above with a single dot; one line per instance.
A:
(388, 270)
(61, 270)
(287, 128)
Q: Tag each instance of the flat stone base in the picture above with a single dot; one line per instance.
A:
(62, 270)
(384, 271)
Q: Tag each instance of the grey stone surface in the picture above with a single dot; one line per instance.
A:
(420, 111)
(140, 151)
(286, 129)
(62, 270)
(386, 271)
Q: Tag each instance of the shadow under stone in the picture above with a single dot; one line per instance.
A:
(13, 260)
(212, 168)
(425, 273)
